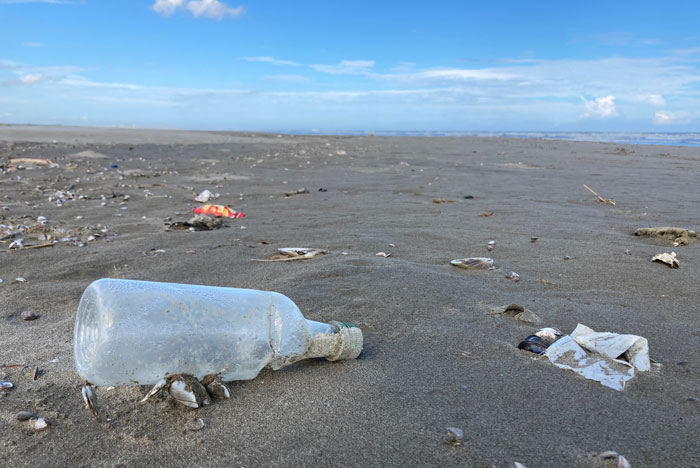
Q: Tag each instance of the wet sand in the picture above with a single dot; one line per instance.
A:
(433, 357)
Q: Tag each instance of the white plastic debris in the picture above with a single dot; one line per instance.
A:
(608, 358)
(205, 196)
(667, 258)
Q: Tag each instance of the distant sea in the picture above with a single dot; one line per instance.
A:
(640, 138)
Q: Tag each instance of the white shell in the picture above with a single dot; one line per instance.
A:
(622, 462)
(518, 465)
(155, 390)
(4, 384)
(89, 398)
(188, 391)
(668, 259)
(40, 424)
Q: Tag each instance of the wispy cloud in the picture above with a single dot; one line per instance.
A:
(33, 44)
(32, 78)
(665, 117)
(346, 67)
(624, 39)
(600, 107)
(206, 8)
(271, 60)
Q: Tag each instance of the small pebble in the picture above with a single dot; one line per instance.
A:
(567, 257)
(25, 416)
(29, 315)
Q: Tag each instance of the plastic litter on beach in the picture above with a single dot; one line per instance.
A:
(605, 357)
(23, 163)
(218, 210)
(198, 222)
(679, 236)
(474, 263)
(205, 195)
(288, 254)
(667, 258)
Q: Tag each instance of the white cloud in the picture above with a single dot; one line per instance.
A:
(167, 7)
(213, 9)
(32, 78)
(346, 67)
(33, 44)
(206, 8)
(600, 107)
(272, 60)
(664, 117)
(55, 2)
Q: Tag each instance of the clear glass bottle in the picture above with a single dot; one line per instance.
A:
(137, 332)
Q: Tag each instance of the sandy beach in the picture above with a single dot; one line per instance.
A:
(433, 358)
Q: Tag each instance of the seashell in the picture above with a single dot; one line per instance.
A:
(489, 248)
(513, 276)
(289, 254)
(40, 424)
(89, 398)
(215, 387)
(456, 436)
(668, 259)
(29, 315)
(6, 385)
(518, 465)
(25, 416)
(492, 242)
(609, 455)
(160, 385)
(204, 196)
(187, 390)
(622, 462)
(197, 426)
(16, 244)
(533, 239)
(533, 344)
(382, 254)
(19, 279)
(474, 263)
(552, 333)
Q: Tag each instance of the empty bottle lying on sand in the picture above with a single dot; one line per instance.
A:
(138, 332)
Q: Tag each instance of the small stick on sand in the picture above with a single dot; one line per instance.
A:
(600, 199)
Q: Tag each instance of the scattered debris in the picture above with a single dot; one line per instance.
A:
(197, 223)
(289, 254)
(218, 210)
(469, 197)
(456, 437)
(679, 236)
(605, 357)
(382, 254)
(513, 276)
(443, 200)
(598, 197)
(205, 196)
(668, 259)
(89, 398)
(29, 315)
(486, 215)
(296, 192)
(23, 163)
(474, 263)
(516, 312)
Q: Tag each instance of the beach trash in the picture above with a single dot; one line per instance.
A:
(679, 236)
(474, 263)
(667, 258)
(605, 357)
(205, 195)
(218, 210)
(139, 332)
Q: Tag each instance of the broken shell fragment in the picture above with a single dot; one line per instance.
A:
(6, 385)
(513, 276)
(668, 259)
(40, 424)
(89, 398)
(622, 462)
(518, 465)
(187, 390)
(215, 387)
(29, 315)
(550, 332)
(288, 254)
(160, 385)
(456, 436)
(197, 425)
(474, 263)
(609, 455)
(382, 254)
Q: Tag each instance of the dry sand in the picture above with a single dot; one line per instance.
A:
(433, 357)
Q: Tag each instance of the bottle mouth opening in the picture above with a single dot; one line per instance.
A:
(87, 331)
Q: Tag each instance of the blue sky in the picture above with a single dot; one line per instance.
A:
(361, 65)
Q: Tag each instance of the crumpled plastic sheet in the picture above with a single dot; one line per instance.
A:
(595, 355)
